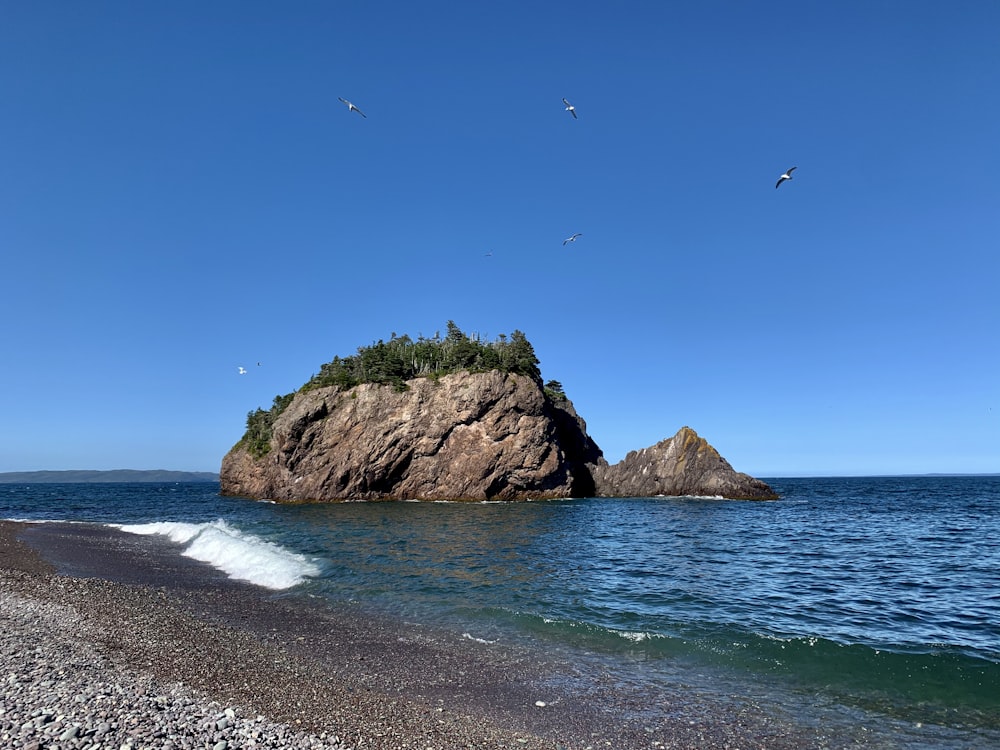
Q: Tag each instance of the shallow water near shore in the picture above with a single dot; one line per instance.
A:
(869, 607)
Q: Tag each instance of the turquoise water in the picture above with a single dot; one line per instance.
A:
(851, 599)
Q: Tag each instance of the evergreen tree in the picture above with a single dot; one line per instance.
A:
(555, 391)
(521, 356)
(401, 359)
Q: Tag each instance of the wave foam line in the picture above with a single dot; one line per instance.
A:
(242, 557)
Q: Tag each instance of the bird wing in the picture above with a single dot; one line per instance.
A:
(350, 106)
(789, 172)
(780, 180)
(567, 103)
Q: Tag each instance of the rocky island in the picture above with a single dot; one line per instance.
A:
(453, 419)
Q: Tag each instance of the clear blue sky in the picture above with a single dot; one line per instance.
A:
(181, 194)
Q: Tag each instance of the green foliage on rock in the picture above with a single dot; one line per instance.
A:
(257, 438)
(554, 390)
(402, 358)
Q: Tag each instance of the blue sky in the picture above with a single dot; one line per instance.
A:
(181, 194)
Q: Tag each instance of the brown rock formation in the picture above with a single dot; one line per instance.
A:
(462, 437)
(484, 436)
(682, 465)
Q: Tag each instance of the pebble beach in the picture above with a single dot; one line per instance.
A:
(163, 659)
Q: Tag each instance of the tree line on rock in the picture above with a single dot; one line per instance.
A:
(401, 358)
(257, 438)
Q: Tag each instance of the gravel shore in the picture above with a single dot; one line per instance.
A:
(88, 662)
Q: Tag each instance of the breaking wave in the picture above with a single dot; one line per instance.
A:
(242, 557)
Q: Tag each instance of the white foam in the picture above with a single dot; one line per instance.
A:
(635, 637)
(242, 557)
(471, 637)
(688, 497)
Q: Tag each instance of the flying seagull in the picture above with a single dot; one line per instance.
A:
(351, 107)
(570, 108)
(786, 176)
(242, 371)
(573, 238)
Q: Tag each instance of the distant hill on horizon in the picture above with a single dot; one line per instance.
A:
(89, 476)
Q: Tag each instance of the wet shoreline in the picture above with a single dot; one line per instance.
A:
(368, 681)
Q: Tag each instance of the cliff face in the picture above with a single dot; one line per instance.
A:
(682, 465)
(485, 436)
(463, 437)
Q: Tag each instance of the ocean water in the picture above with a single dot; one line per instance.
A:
(867, 605)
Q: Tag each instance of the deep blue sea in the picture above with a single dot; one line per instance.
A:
(871, 604)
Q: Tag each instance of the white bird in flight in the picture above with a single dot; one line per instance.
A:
(242, 371)
(786, 176)
(352, 108)
(573, 238)
(570, 108)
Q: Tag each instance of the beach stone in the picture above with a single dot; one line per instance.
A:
(65, 693)
(69, 734)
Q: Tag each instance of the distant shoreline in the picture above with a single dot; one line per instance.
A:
(931, 475)
(123, 476)
(101, 477)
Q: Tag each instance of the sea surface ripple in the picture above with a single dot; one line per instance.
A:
(879, 594)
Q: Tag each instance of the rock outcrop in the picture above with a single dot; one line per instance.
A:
(484, 436)
(682, 465)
